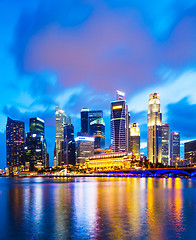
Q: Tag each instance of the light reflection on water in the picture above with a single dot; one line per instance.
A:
(97, 208)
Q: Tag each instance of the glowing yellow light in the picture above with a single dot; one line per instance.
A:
(117, 107)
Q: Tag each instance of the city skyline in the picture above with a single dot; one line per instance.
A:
(61, 60)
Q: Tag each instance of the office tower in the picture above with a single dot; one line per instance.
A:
(36, 126)
(36, 155)
(135, 140)
(84, 121)
(84, 148)
(93, 115)
(165, 144)
(119, 124)
(15, 136)
(97, 131)
(190, 152)
(62, 119)
(174, 148)
(154, 132)
(69, 144)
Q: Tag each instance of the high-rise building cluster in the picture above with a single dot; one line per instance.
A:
(163, 145)
(26, 152)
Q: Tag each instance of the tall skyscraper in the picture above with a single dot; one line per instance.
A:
(84, 121)
(135, 140)
(15, 136)
(36, 155)
(165, 144)
(174, 148)
(69, 144)
(36, 126)
(97, 131)
(190, 152)
(154, 131)
(62, 119)
(93, 115)
(84, 148)
(119, 124)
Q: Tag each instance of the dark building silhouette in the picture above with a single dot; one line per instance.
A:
(15, 136)
(84, 120)
(190, 151)
(69, 144)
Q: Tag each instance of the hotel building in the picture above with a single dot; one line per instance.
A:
(154, 131)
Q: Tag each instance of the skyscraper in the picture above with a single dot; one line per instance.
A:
(62, 119)
(36, 126)
(154, 132)
(135, 140)
(36, 155)
(165, 144)
(84, 148)
(119, 124)
(93, 115)
(174, 148)
(190, 152)
(84, 121)
(15, 136)
(97, 130)
(69, 144)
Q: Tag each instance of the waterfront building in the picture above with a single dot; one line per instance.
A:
(15, 137)
(84, 148)
(93, 115)
(119, 124)
(154, 131)
(84, 121)
(110, 161)
(135, 140)
(62, 119)
(35, 150)
(97, 131)
(165, 144)
(190, 152)
(69, 144)
(174, 148)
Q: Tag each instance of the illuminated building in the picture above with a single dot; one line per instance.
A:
(135, 140)
(110, 161)
(154, 132)
(97, 131)
(35, 150)
(165, 144)
(62, 119)
(174, 148)
(36, 126)
(93, 115)
(15, 136)
(84, 148)
(69, 145)
(119, 124)
(84, 121)
(190, 152)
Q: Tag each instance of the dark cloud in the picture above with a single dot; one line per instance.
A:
(181, 117)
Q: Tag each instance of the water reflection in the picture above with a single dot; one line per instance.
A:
(97, 208)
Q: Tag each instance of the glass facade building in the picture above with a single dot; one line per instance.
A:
(154, 130)
(174, 148)
(84, 121)
(165, 144)
(36, 126)
(84, 148)
(62, 119)
(119, 124)
(190, 152)
(15, 137)
(97, 131)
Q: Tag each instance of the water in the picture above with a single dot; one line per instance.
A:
(97, 208)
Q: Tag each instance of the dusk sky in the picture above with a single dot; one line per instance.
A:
(77, 53)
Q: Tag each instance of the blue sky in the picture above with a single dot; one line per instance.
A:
(76, 53)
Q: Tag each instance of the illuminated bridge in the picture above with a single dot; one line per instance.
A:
(155, 172)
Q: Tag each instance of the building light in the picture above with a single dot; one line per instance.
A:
(117, 107)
